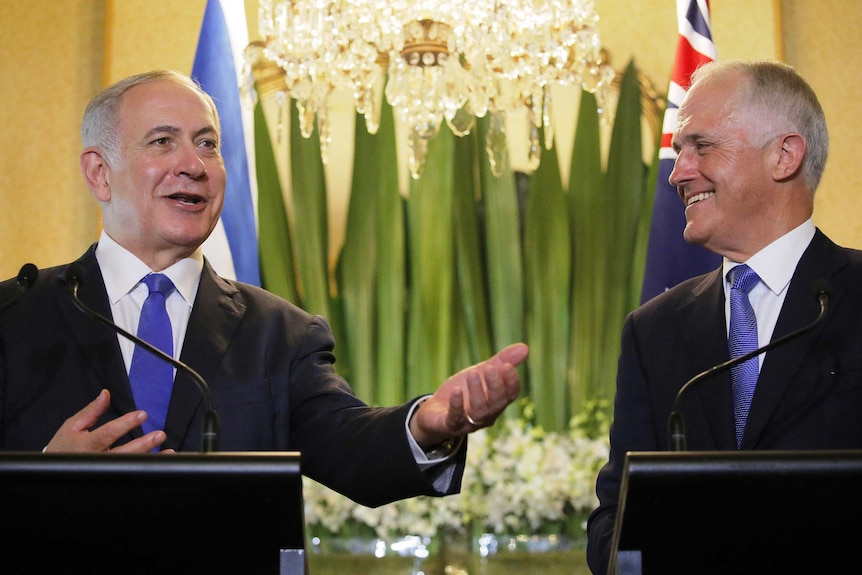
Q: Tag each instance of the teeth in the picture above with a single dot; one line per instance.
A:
(700, 197)
(186, 199)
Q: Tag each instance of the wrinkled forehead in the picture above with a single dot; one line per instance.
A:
(168, 102)
(711, 103)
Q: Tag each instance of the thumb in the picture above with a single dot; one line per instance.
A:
(513, 354)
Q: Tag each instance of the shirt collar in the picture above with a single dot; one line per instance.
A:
(776, 263)
(122, 270)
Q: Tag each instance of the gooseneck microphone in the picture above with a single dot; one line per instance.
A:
(676, 424)
(25, 280)
(210, 430)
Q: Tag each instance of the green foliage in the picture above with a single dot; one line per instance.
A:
(587, 207)
(310, 223)
(276, 247)
(430, 322)
(623, 193)
(391, 287)
(548, 277)
(471, 287)
(429, 284)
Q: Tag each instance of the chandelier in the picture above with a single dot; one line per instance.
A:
(434, 61)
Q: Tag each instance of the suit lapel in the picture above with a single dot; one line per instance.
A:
(97, 342)
(820, 261)
(706, 340)
(216, 315)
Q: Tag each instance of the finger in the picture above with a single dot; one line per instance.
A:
(457, 414)
(510, 384)
(108, 434)
(89, 415)
(477, 393)
(455, 421)
(502, 387)
(143, 444)
(477, 399)
(495, 389)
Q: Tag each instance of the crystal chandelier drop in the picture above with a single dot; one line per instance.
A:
(435, 61)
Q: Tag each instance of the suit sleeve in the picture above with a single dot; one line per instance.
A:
(360, 451)
(633, 420)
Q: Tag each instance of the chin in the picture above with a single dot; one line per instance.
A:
(691, 236)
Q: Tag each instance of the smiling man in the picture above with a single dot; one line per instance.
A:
(752, 144)
(158, 175)
(152, 160)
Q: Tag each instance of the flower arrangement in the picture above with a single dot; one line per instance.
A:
(519, 479)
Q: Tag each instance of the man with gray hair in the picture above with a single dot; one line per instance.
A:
(752, 144)
(152, 159)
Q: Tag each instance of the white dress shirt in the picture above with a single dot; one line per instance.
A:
(775, 265)
(123, 272)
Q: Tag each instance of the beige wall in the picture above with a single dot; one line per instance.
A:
(50, 65)
(57, 53)
(822, 41)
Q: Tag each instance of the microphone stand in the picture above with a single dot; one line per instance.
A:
(675, 422)
(211, 423)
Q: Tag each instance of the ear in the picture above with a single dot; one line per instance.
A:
(791, 153)
(96, 173)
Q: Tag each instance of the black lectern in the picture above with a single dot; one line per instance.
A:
(739, 512)
(156, 514)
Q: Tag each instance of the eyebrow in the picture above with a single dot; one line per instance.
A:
(689, 137)
(175, 130)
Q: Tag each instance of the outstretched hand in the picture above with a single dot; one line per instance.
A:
(471, 399)
(77, 433)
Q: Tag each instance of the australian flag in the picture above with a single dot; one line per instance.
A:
(670, 259)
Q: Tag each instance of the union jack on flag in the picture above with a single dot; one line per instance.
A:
(670, 259)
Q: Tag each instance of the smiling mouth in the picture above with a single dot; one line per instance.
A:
(698, 197)
(186, 198)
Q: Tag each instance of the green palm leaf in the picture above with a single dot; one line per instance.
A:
(547, 257)
(504, 252)
(624, 192)
(308, 186)
(475, 325)
(503, 215)
(588, 253)
(431, 272)
(275, 245)
(357, 266)
(390, 327)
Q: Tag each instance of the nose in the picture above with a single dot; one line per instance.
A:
(683, 168)
(190, 163)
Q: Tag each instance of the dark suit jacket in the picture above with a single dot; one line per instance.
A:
(268, 363)
(808, 395)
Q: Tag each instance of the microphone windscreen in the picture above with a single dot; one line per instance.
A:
(27, 276)
(75, 273)
(821, 287)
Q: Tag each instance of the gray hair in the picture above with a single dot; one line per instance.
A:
(101, 118)
(782, 96)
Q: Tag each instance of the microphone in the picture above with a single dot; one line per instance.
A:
(210, 430)
(676, 424)
(26, 278)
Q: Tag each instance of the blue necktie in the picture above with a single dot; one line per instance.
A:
(152, 377)
(741, 340)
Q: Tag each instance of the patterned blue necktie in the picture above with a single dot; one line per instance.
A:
(152, 377)
(742, 339)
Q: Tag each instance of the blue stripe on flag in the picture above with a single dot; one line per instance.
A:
(215, 70)
(670, 259)
(698, 21)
